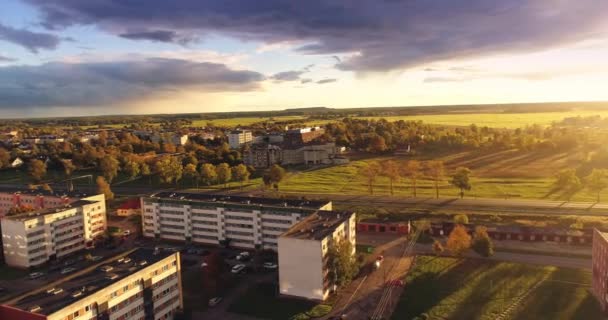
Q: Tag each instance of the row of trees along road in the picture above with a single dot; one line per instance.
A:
(413, 171)
(567, 180)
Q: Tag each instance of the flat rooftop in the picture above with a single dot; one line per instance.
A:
(239, 200)
(45, 211)
(89, 282)
(41, 192)
(318, 225)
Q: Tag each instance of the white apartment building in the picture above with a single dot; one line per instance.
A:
(245, 222)
(33, 238)
(149, 286)
(303, 262)
(36, 199)
(237, 138)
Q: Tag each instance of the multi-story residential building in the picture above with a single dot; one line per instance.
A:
(144, 284)
(32, 238)
(245, 222)
(304, 269)
(36, 199)
(599, 264)
(263, 155)
(297, 137)
(237, 138)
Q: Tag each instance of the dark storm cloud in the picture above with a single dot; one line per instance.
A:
(32, 41)
(83, 84)
(324, 81)
(157, 35)
(384, 35)
(6, 59)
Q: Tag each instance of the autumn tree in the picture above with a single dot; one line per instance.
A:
(435, 171)
(145, 171)
(68, 169)
(459, 240)
(191, 173)
(104, 187)
(377, 144)
(169, 169)
(274, 176)
(461, 180)
(461, 219)
(241, 174)
(342, 262)
(109, 167)
(568, 181)
(208, 174)
(482, 243)
(597, 181)
(132, 169)
(224, 174)
(370, 172)
(37, 170)
(437, 247)
(5, 158)
(413, 171)
(390, 169)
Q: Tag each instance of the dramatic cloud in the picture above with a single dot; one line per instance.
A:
(324, 81)
(287, 75)
(376, 35)
(106, 83)
(33, 41)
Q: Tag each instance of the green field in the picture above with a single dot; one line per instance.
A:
(497, 120)
(243, 121)
(450, 288)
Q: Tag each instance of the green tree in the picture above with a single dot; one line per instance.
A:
(342, 262)
(459, 240)
(224, 174)
(461, 219)
(241, 174)
(132, 169)
(597, 181)
(208, 174)
(370, 172)
(413, 170)
(568, 181)
(461, 180)
(390, 169)
(191, 173)
(146, 172)
(37, 170)
(169, 169)
(482, 243)
(104, 187)
(109, 167)
(276, 174)
(435, 171)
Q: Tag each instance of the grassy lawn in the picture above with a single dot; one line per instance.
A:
(497, 120)
(261, 301)
(451, 288)
(243, 121)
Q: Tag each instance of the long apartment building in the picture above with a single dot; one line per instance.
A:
(245, 222)
(599, 264)
(143, 285)
(36, 199)
(237, 138)
(33, 238)
(304, 269)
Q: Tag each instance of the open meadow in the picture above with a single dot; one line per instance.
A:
(451, 288)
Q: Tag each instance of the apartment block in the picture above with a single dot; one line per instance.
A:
(304, 271)
(245, 222)
(237, 138)
(36, 199)
(33, 238)
(142, 285)
(599, 265)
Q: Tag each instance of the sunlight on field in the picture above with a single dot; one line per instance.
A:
(506, 120)
(243, 121)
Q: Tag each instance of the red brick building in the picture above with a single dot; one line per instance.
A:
(599, 264)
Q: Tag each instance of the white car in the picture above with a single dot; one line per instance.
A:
(214, 301)
(36, 275)
(270, 266)
(126, 233)
(239, 268)
(96, 258)
(106, 268)
(68, 270)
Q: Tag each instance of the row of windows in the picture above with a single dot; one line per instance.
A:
(228, 216)
(171, 226)
(200, 236)
(275, 229)
(171, 212)
(203, 229)
(239, 225)
(169, 233)
(240, 233)
(171, 219)
(276, 221)
(205, 215)
(209, 223)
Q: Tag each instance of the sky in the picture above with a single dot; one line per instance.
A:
(94, 57)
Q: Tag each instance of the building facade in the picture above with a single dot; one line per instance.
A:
(33, 238)
(304, 269)
(599, 265)
(36, 199)
(149, 286)
(245, 222)
(237, 138)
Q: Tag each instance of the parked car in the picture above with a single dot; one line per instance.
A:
(126, 260)
(96, 258)
(239, 268)
(126, 233)
(270, 266)
(69, 262)
(106, 268)
(243, 256)
(214, 301)
(67, 270)
(36, 275)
